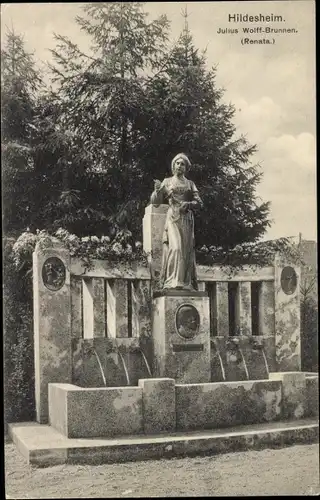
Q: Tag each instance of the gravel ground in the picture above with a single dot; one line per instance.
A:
(287, 471)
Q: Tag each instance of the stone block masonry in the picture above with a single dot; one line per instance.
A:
(160, 405)
(184, 359)
(294, 394)
(79, 412)
(313, 396)
(52, 323)
(210, 406)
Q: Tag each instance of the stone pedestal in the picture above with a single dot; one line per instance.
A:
(287, 315)
(153, 226)
(181, 336)
(52, 323)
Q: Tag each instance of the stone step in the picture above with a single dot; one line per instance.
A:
(43, 446)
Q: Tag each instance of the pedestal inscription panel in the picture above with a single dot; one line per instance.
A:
(181, 337)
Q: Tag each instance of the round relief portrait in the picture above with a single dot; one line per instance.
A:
(53, 273)
(288, 280)
(187, 321)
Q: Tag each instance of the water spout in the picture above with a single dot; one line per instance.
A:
(100, 366)
(220, 360)
(124, 367)
(146, 362)
(222, 367)
(236, 343)
(258, 346)
(244, 363)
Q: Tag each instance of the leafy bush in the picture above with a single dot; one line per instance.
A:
(309, 335)
(18, 340)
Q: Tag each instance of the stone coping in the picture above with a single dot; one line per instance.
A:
(205, 385)
(174, 292)
(43, 446)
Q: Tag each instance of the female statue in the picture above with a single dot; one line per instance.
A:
(178, 258)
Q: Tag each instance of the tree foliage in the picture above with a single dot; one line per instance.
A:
(132, 104)
(17, 339)
(191, 117)
(103, 97)
(90, 150)
(19, 84)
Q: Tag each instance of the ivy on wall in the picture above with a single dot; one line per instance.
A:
(121, 250)
(87, 248)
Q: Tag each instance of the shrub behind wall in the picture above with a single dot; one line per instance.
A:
(19, 400)
(309, 336)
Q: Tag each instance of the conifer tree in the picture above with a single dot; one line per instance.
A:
(190, 116)
(19, 84)
(102, 98)
(131, 104)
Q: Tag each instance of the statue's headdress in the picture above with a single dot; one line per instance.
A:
(184, 157)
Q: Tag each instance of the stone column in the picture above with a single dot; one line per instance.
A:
(294, 394)
(94, 317)
(287, 315)
(267, 322)
(52, 322)
(222, 308)
(76, 307)
(266, 309)
(141, 308)
(117, 308)
(153, 226)
(181, 349)
(243, 308)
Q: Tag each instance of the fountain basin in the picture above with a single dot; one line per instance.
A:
(161, 404)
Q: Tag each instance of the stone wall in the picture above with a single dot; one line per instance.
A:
(159, 405)
(96, 327)
(216, 405)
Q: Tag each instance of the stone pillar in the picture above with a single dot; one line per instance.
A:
(294, 394)
(141, 308)
(52, 322)
(158, 405)
(222, 309)
(287, 315)
(266, 309)
(267, 322)
(117, 308)
(181, 336)
(76, 307)
(94, 320)
(243, 309)
(153, 226)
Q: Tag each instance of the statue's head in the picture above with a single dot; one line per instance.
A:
(180, 163)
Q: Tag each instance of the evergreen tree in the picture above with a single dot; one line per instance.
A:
(130, 106)
(190, 116)
(34, 151)
(102, 99)
(19, 83)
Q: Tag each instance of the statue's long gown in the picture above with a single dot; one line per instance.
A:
(178, 258)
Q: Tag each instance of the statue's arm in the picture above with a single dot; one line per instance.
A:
(158, 195)
(196, 200)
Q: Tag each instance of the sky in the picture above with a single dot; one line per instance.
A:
(272, 86)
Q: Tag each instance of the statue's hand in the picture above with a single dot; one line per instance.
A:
(157, 185)
(184, 206)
